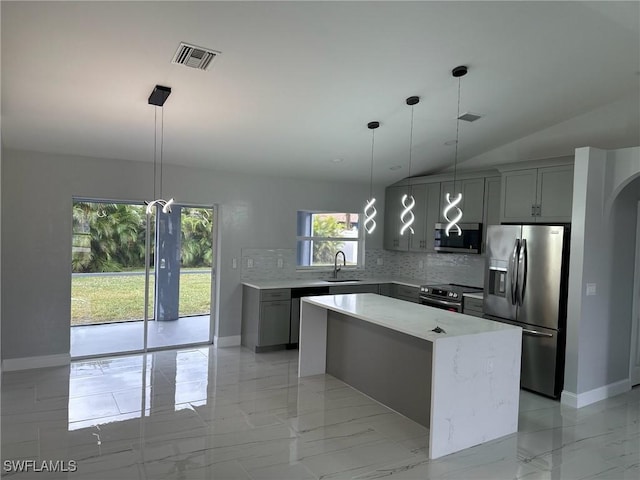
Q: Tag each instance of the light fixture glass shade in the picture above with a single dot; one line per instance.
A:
(370, 213)
(406, 216)
(453, 217)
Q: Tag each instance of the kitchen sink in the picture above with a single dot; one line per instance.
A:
(340, 280)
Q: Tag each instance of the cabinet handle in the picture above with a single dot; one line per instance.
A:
(538, 210)
(533, 210)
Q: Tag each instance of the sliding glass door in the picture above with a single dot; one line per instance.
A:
(184, 276)
(108, 277)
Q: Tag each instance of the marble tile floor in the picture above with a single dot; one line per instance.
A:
(113, 338)
(206, 413)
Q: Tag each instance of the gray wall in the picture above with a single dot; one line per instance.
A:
(37, 191)
(602, 252)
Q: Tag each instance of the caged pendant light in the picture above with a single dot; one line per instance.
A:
(370, 211)
(407, 216)
(452, 212)
(157, 98)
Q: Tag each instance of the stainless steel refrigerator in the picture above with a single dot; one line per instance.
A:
(526, 285)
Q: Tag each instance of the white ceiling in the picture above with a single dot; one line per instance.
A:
(297, 82)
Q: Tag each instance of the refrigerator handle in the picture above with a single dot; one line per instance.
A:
(536, 333)
(513, 272)
(522, 271)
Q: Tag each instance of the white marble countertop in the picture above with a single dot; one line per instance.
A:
(405, 317)
(293, 283)
(478, 296)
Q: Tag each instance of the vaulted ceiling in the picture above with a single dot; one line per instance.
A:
(297, 82)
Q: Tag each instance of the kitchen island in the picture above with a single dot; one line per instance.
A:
(455, 374)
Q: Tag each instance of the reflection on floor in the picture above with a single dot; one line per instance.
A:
(106, 338)
(232, 414)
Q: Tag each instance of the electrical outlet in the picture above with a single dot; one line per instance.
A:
(280, 263)
(379, 261)
(591, 289)
(249, 262)
(234, 263)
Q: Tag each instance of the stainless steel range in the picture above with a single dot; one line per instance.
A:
(446, 297)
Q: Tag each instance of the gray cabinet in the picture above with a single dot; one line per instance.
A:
(392, 210)
(537, 195)
(555, 194)
(472, 190)
(406, 293)
(427, 198)
(491, 205)
(386, 289)
(273, 327)
(266, 318)
(472, 306)
(344, 289)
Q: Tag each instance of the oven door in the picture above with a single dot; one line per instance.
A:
(442, 304)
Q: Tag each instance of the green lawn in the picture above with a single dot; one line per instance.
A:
(117, 298)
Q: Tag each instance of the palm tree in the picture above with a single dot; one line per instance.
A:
(107, 237)
(196, 225)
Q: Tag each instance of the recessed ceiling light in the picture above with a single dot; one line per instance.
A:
(338, 160)
(395, 167)
(448, 143)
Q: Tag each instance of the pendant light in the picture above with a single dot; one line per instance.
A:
(157, 98)
(452, 212)
(370, 211)
(408, 202)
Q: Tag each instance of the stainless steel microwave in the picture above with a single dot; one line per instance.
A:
(469, 242)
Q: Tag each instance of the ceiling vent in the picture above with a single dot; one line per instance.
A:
(469, 117)
(194, 57)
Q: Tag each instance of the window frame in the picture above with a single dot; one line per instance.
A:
(359, 240)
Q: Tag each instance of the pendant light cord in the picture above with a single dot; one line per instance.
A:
(410, 145)
(455, 162)
(161, 147)
(373, 135)
(155, 150)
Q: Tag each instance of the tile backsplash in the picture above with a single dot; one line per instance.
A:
(280, 264)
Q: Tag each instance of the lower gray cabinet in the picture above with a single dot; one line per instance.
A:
(265, 318)
(345, 289)
(267, 323)
(273, 327)
(406, 293)
(472, 306)
(386, 289)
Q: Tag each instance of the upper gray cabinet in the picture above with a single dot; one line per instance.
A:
(425, 211)
(392, 210)
(427, 197)
(537, 195)
(472, 199)
(492, 192)
(480, 204)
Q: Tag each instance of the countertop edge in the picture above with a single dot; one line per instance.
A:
(427, 335)
(325, 283)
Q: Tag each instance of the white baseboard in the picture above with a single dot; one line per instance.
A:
(230, 341)
(27, 363)
(592, 396)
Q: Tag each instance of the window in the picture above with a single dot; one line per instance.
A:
(322, 234)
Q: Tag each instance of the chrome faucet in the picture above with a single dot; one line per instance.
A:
(337, 268)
